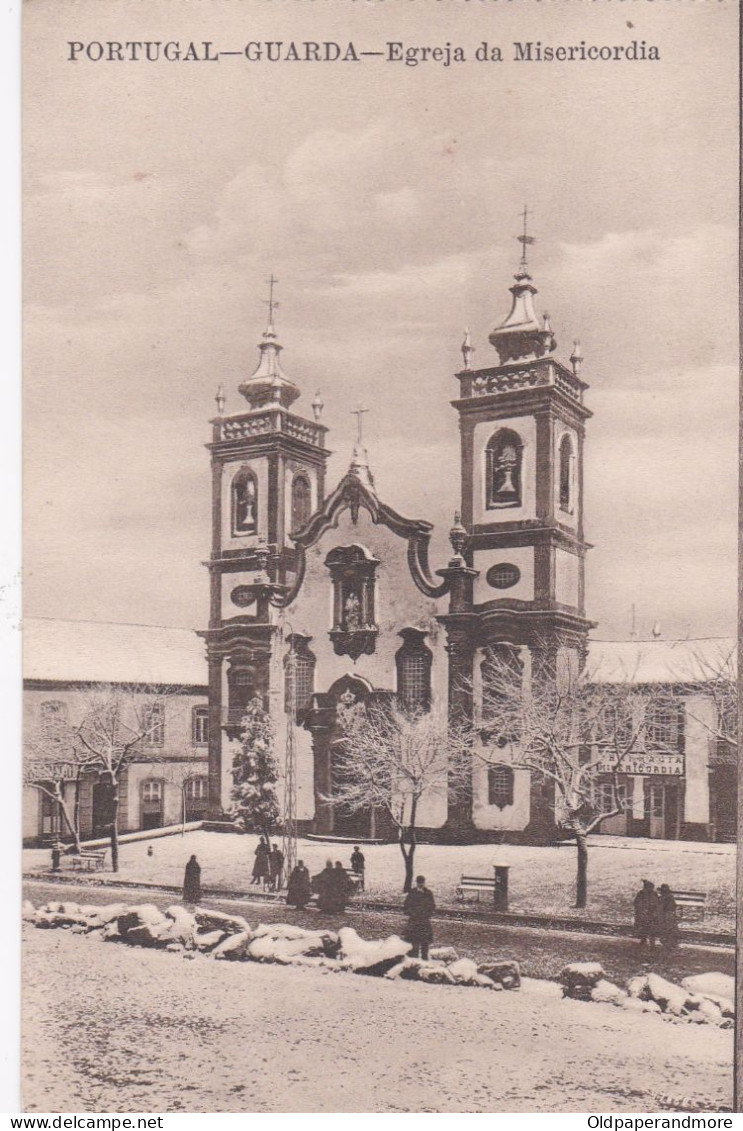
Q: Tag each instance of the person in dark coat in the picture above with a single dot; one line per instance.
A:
(323, 883)
(275, 867)
(299, 890)
(192, 882)
(647, 914)
(669, 921)
(342, 887)
(419, 906)
(358, 864)
(261, 870)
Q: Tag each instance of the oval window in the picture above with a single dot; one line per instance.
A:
(243, 596)
(503, 575)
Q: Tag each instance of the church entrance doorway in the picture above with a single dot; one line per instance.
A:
(327, 742)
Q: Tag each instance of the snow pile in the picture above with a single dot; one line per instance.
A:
(374, 957)
(579, 978)
(504, 973)
(230, 938)
(697, 1000)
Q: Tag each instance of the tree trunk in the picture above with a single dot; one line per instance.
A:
(581, 887)
(76, 816)
(409, 858)
(71, 827)
(114, 826)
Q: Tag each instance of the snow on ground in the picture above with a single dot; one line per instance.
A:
(541, 879)
(107, 1028)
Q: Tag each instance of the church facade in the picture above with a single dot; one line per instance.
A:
(320, 596)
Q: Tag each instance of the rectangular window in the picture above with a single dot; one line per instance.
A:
(200, 726)
(664, 728)
(154, 723)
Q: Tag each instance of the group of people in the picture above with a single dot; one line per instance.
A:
(656, 915)
(268, 868)
(333, 886)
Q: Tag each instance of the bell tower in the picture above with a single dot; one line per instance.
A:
(522, 425)
(268, 477)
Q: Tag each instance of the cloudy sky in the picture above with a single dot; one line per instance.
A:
(159, 197)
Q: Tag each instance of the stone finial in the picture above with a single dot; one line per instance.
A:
(220, 399)
(467, 350)
(318, 405)
(458, 538)
(576, 358)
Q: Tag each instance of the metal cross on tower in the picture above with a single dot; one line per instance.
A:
(525, 239)
(359, 414)
(271, 302)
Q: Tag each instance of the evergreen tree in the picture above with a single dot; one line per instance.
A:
(255, 773)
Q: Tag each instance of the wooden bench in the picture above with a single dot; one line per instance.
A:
(476, 884)
(690, 904)
(88, 861)
(356, 878)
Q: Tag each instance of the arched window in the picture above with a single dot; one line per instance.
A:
(500, 786)
(241, 686)
(196, 792)
(244, 502)
(413, 662)
(504, 458)
(502, 674)
(299, 676)
(301, 501)
(566, 474)
(152, 804)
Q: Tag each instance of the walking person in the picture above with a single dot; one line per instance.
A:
(419, 906)
(358, 865)
(669, 920)
(275, 867)
(298, 889)
(261, 869)
(647, 914)
(192, 882)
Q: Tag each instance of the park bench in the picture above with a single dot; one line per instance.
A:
(690, 904)
(356, 878)
(91, 861)
(476, 884)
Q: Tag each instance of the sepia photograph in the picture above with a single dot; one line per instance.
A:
(380, 425)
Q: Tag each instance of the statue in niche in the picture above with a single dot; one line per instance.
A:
(351, 613)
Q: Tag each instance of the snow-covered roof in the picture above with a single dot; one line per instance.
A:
(112, 653)
(661, 661)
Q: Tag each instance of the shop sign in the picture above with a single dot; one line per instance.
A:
(645, 764)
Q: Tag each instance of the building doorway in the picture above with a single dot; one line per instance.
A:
(152, 804)
(662, 809)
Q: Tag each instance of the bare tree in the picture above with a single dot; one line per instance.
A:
(716, 674)
(53, 761)
(393, 759)
(574, 732)
(119, 726)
